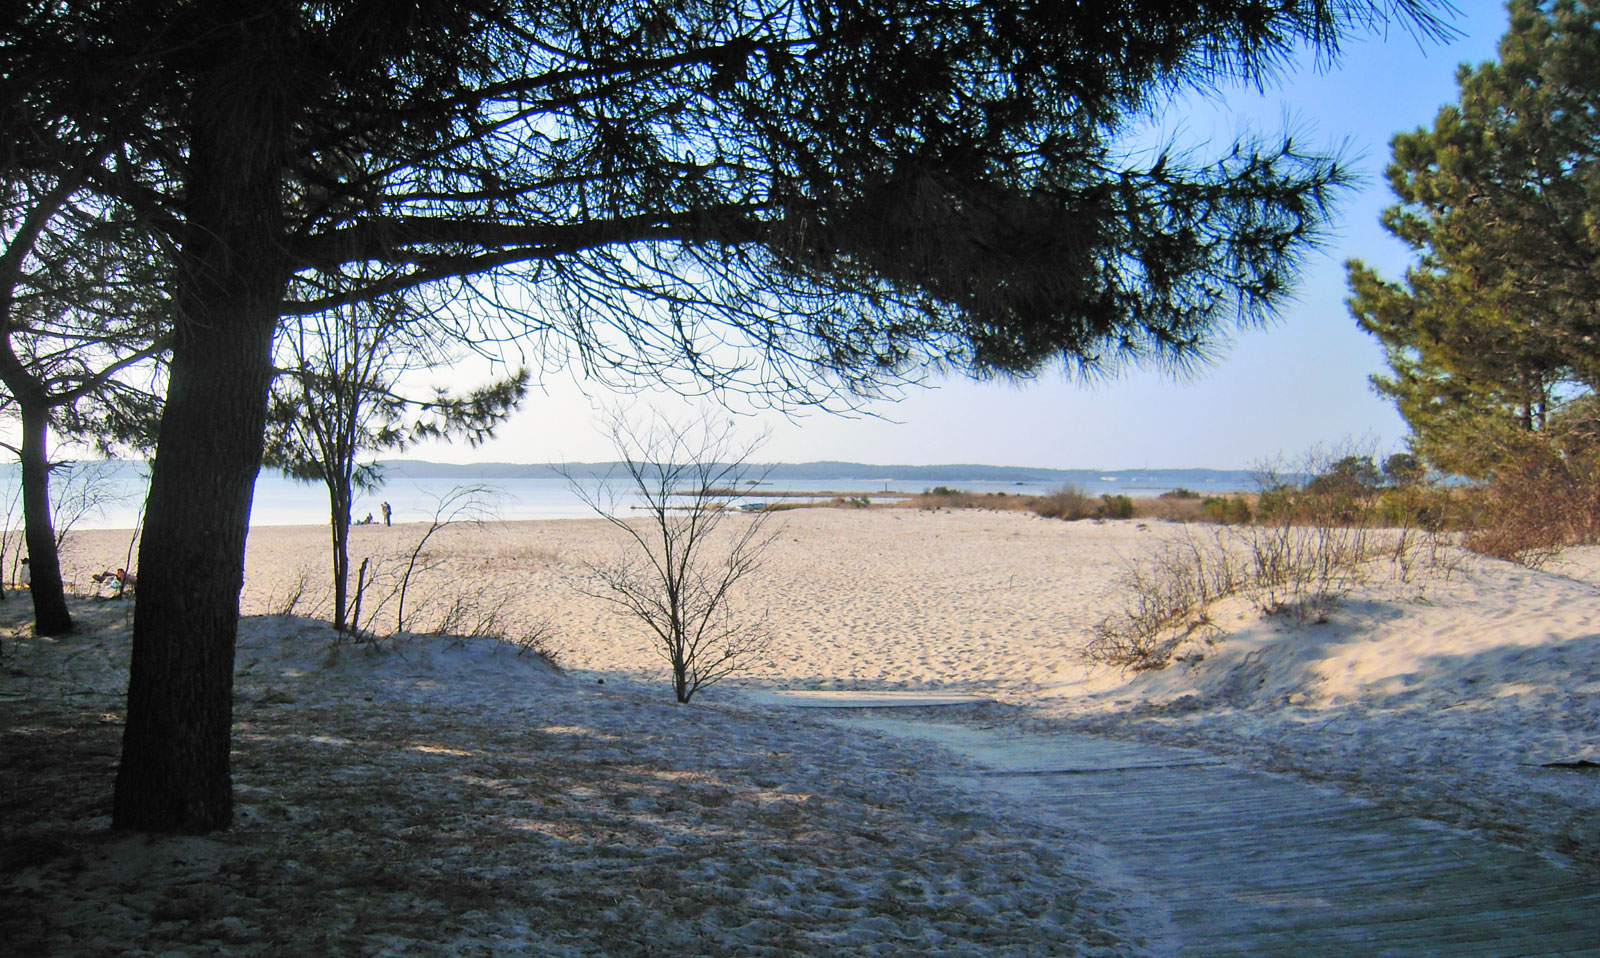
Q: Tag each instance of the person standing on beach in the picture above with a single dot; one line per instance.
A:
(385, 508)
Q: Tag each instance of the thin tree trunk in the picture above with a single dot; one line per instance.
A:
(44, 561)
(39, 537)
(175, 774)
(340, 518)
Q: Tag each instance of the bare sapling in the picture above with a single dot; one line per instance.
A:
(689, 551)
(85, 490)
(391, 580)
(126, 582)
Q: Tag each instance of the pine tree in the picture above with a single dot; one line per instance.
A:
(1491, 336)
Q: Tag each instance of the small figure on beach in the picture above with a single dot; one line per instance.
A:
(112, 585)
(386, 513)
(365, 522)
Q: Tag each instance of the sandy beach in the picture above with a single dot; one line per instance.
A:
(1467, 693)
(884, 598)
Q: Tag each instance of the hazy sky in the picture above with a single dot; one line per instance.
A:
(1275, 392)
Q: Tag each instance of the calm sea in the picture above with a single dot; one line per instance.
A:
(119, 489)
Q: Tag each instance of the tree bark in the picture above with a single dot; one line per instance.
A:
(44, 561)
(340, 496)
(175, 774)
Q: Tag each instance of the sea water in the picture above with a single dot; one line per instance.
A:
(119, 488)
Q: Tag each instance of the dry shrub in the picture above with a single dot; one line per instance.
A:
(1298, 573)
(1167, 598)
(482, 613)
(536, 639)
(1302, 571)
(1068, 502)
(1315, 533)
(1226, 510)
(1116, 506)
(476, 613)
(287, 597)
(1538, 503)
(942, 497)
(1314, 540)
(1169, 508)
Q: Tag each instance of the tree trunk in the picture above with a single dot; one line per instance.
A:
(175, 774)
(341, 498)
(44, 561)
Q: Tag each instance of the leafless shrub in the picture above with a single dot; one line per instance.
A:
(1302, 571)
(1538, 503)
(1315, 539)
(682, 576)
(286, 597)
(536, 639)
(1167, 600)
(1315, 532)
(478, 612)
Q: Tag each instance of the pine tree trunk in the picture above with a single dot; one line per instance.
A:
(341, 498)
(175, 773)
(44, 561)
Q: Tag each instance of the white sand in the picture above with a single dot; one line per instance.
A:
(973, 601)
(1446, 695)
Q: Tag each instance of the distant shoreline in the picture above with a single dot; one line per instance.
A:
(848, 472)
(515, 492)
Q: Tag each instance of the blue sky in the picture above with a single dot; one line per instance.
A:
(1274, 393)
